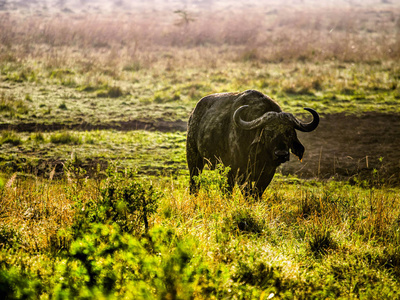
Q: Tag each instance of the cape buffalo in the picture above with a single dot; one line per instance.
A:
(247, 132)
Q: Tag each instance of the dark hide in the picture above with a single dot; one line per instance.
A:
(252, 154)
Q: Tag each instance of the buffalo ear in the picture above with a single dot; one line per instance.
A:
(297, 149)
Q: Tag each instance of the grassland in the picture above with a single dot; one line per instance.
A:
(94, 202)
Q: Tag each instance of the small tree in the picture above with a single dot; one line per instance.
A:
(124, 200)
(185, 18)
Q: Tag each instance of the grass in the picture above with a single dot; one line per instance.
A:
(64, 138)
(105, 211)
(162, 74)
(343, 247)
(149, 152)
(12, 107)
(10, 137)
(353, 88)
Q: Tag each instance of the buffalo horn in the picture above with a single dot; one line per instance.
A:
(249, 125)
(307, 127)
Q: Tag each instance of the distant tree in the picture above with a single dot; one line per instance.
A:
(185, 18)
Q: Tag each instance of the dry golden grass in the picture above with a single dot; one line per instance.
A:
(284, 34)
(299, 228)
(37, 209)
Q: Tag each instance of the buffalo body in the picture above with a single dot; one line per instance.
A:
(247, 132)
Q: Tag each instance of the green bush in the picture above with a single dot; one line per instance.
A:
(214, 181)
(11, 105)
(108, 262)
(258, 274)
(123, 200)
(9, 237)
(14, 284)
(63, 106)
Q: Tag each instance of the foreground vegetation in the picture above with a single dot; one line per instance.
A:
(127, 237)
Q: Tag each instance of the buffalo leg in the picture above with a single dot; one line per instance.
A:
(196, 165)
(231, 182)
(263, 182)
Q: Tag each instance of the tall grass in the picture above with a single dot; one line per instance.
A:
(10, 105)
(345, 34)
(303, 238)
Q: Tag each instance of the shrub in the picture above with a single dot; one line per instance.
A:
(214, 181)
(9, 237)
(115, 92)
(251, 54)
(130, 202)
(14, 284)
(75, 172)
(123, 200)
(309, 205)
(257, 273)
(61, 73)
(107, 261)
(9, 104)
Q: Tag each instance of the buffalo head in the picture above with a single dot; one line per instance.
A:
(276, 133)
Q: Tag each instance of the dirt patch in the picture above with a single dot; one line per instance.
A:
(352, 147)
(159, 125)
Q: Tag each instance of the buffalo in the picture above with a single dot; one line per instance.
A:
(247, 132)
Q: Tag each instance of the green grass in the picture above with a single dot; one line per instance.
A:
(10, 137)
(148, 152)
(327, 87)
(64, 138)
(11, 107)
(305, 239)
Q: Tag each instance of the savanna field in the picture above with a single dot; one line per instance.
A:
(94, 187)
